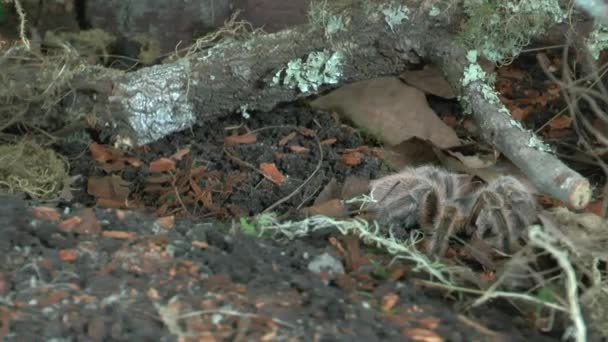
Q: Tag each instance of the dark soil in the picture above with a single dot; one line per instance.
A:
(125, 277)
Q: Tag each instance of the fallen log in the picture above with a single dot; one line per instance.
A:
(340, 44)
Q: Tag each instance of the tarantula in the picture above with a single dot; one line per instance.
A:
(445, 203)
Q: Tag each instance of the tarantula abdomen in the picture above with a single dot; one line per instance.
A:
(503, 211)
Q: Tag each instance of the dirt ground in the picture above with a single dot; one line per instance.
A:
(94, 274)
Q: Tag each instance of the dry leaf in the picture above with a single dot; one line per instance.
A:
(422, 335)
(179, 155)
(109, 187)
(166, 222)
(100, 153)
(352, 158)
(354, 186)
(119, 234)
(430, 80)
(390, 110)
(476, 161)
(162, 164)
(287, 138)
(298, 149)
(68, 255)
(46, 213)
(389, 301)
(200, 244)
(329, 141)
(332, 208)
(410, 152)
(562, 121)
(270, 171)
(240, 139)
(88, 222)
(430, 323)
(330, 191)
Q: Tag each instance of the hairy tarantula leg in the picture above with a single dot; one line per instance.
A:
(428, 208)
(445, 227)
(389, 192)
(405, 209)
(497, 217)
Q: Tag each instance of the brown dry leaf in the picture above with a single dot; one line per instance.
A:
(240, 139)
(153, 294)
(70, 223)
(88, 223)
(46, 213)
(410, 152)
(511, 71)
(332, 208)
(298, 149)
(108, 187)
(110, 203)
(200, 244)
(179, 155)
(562, 121)
(430, 323)
(476, 161)
(423, 335)
(502, 167)
(68, 255)
(596, 207)
(430, 80)
(162, 164)
(134, 161)
(329, 141)
(287, 138)
(113, 166)
(166, 222)
(389, 300)
(390, 110)
(354, 186)
(352, 158)
(270, 171)
(5, 317)
(558, 133)
(330, 191)
(100, 153)
(518, 113)
(307, 132)
(119, 234)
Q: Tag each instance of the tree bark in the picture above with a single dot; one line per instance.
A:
(376, 39)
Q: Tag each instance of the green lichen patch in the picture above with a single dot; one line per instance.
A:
(499, 29)
(435, 11)
(394, 15)
(597, 40)
(320, 67)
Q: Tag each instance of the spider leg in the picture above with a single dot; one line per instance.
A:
(448, 223)
(429, 207)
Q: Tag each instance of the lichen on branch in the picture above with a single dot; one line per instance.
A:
(499, 29)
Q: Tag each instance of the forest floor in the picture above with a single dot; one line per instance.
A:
(73, 272)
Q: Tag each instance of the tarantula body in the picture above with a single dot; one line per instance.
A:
(398, 197)
(502, 212)
(419, 195)
(445, 204)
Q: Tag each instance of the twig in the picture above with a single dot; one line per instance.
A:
(549, 174)
(233, 313)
